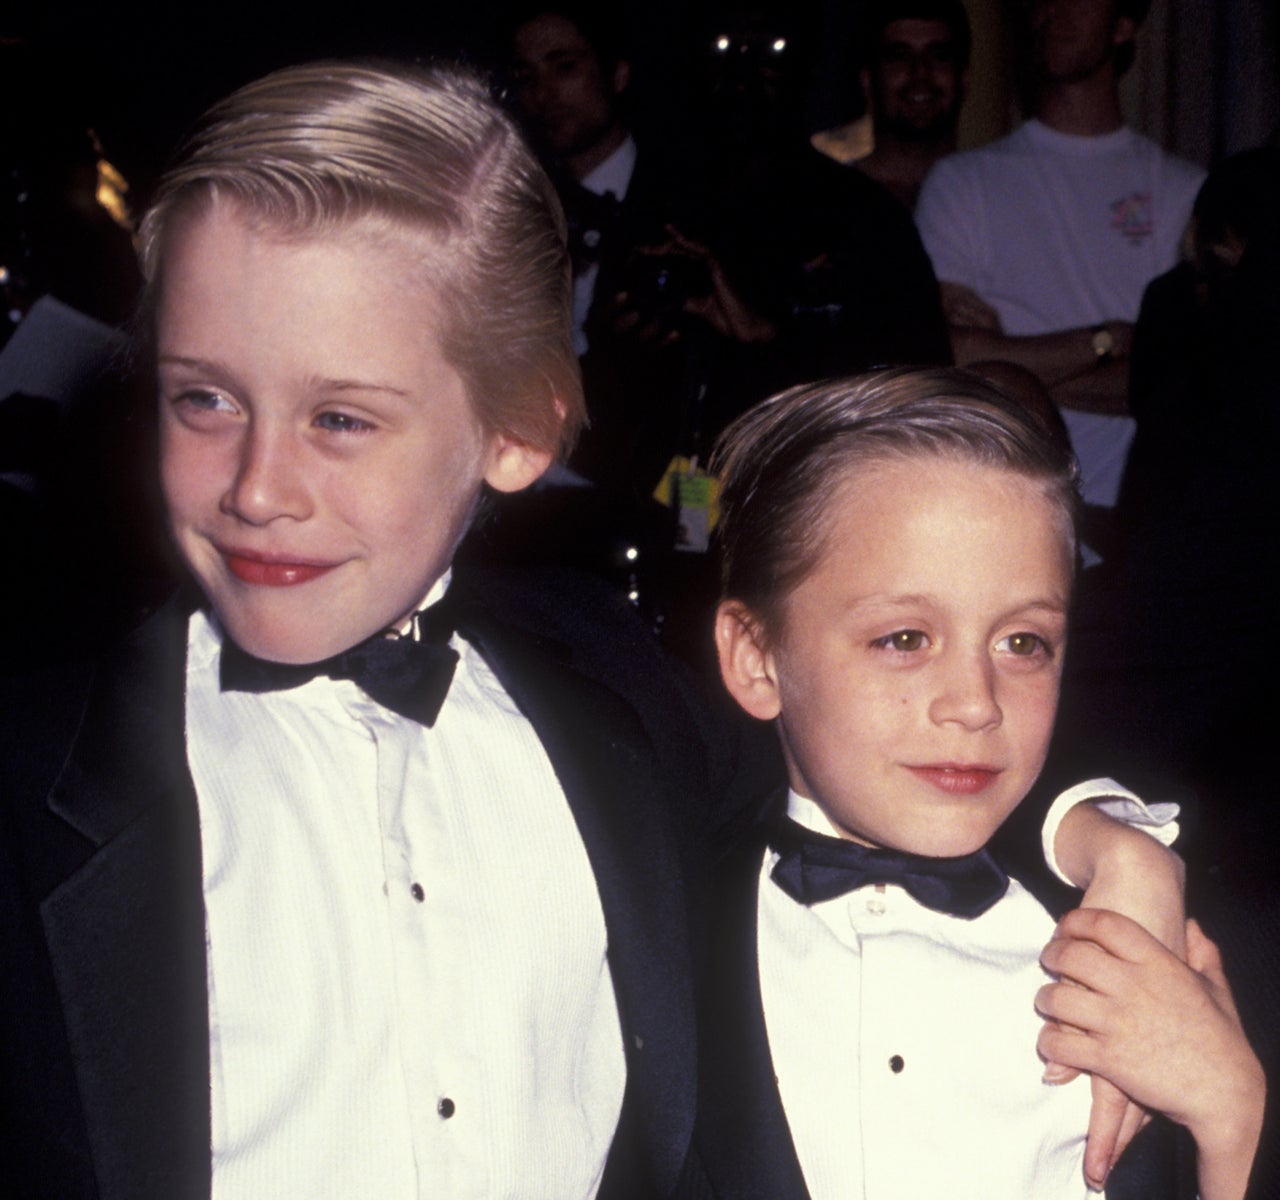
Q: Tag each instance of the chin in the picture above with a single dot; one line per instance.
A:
(283, 641)
(958, 843)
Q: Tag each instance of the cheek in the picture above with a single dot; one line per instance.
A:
(190, 471)
(1032, 708)
(876, 714)
(415, 500)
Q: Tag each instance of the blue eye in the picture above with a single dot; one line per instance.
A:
(205, 409)
(340, 422)
(204, 400)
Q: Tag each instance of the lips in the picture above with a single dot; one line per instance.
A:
(957, 779)
(272, 570)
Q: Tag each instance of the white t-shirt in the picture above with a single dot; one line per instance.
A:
(1056, 232)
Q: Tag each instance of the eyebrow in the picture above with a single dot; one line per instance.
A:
(359, 385)
(1040, 604)
(319, 383)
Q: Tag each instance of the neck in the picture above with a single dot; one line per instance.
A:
(1085, 107)
(585, 161)
(900, 167)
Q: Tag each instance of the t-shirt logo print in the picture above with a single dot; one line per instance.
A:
(1132, 218)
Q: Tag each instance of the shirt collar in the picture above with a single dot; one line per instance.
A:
(614, 174)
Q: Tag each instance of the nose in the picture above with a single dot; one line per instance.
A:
(920, 66)
(536, 91)
(966, 692)
(269, 480)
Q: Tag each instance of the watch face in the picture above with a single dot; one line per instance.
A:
(1103, 343)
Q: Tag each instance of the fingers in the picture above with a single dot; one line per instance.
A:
(1114, 1121)
(1117, 934)
(1135, 1118)
(1086, 963)
(1068, 1047)
(963, 306)
(1057, 1073)
(1106, 1119)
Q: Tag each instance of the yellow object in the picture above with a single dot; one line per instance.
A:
(696, 494)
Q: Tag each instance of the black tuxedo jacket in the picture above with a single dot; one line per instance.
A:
(742, 1142)
(104, 1069)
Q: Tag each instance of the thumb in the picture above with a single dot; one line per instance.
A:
(1204, 957)
(1202, 951)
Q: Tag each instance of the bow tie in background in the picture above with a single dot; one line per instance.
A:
(812, 868)
(592, 220)
(408, 676)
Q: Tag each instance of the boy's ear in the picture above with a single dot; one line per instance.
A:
(746, 665)
(514, 464)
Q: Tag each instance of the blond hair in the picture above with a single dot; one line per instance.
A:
(313, 148)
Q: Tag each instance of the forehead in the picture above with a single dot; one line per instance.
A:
(547, 37)
(914, 33)
(935, 510)
(1099, 12)
(215, 220)
(346, 300)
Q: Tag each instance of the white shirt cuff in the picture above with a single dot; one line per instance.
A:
(1160, 820)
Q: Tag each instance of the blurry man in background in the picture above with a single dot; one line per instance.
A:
(914, 81)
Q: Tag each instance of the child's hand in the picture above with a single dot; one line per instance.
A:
(1164, 1032)
(1126, 871)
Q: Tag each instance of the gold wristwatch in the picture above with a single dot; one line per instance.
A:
(1103, 343)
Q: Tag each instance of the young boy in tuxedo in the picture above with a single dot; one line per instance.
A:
(898, 559)
(359, 875)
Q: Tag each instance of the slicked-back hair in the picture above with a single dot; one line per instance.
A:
(312, 150)
(781, 463)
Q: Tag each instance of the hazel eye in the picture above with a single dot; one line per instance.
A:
(1024, 645)
(905, 641)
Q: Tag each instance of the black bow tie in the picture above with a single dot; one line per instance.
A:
(812, 867)
(408, 676)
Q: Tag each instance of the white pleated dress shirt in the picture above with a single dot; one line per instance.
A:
(408, 987)
(904, 1040)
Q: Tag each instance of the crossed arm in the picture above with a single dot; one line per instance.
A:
(1064, 360)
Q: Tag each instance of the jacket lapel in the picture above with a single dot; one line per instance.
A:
(613, 784)
(125, 927)
(743, 1140)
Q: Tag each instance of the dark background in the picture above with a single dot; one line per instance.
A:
(139, 72)
(1207, 81)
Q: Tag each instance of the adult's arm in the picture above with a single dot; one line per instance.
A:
(1065, 361)
(954, 226)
